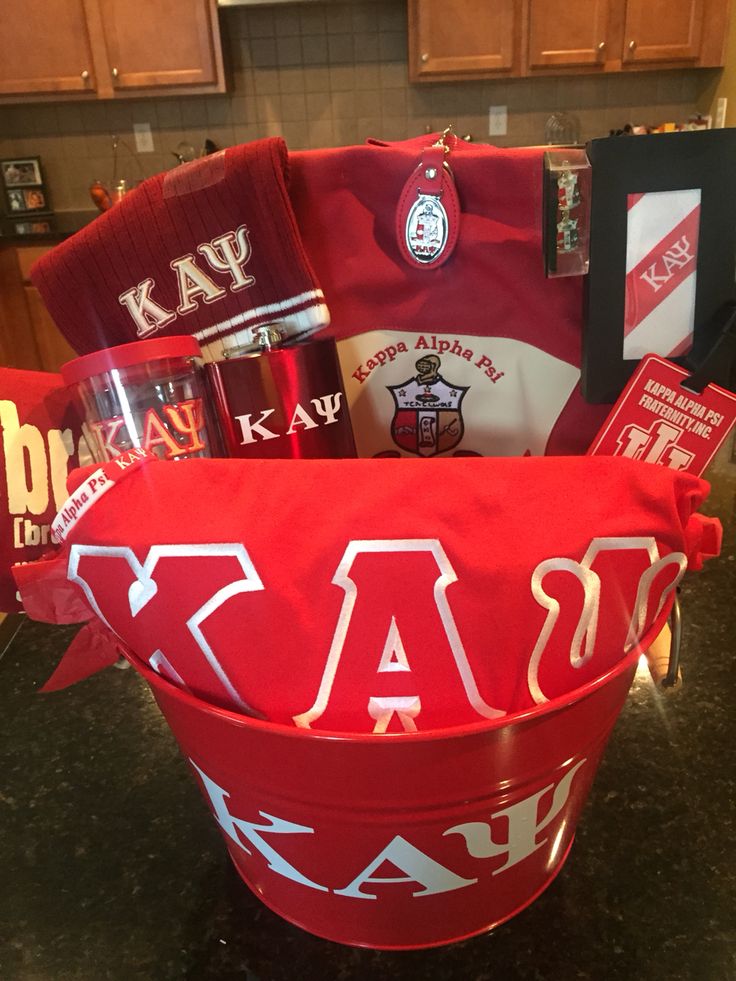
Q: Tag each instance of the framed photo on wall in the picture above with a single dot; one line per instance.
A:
(662, 244)
(22, 181)
(21, 172)
(33, 227)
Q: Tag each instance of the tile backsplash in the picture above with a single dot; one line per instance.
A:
(322, 74)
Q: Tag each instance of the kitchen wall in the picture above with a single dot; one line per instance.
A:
(323, 74)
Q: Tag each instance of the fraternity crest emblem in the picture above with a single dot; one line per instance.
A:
(568, 193)
(428, 418)
(567, 234)
(428, 212)
(426, 228)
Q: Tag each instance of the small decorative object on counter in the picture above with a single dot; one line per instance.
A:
(562, 129)
(146, 395)
(105, 199)
(566, 232)
(282, 401)
(100, 196)
(121, 189)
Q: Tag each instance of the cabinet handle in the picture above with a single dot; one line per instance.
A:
(85, 75)
(425, 56)
(632, 45)
(115, 73)
(602, 46)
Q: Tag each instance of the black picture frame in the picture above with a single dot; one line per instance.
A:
(624, 165)
(34, 226)
(25, 191)
(26, 200)
(21, 172)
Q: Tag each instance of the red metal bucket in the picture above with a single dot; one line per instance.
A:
(406, 840)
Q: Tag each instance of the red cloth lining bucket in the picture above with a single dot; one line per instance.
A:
(399, 841)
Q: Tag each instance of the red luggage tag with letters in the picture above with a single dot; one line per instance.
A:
(657, 419)
(428, 214)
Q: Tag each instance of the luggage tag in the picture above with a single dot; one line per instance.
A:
(428, 214)
(659, 419)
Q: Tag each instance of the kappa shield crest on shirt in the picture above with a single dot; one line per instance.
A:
(428, 418)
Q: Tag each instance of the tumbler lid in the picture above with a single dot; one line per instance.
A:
(126, 355)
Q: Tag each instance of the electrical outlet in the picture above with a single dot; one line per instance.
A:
(498, 121)
(720, 120)
(143, 137)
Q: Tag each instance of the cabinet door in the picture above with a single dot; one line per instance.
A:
(462, 37)
(565, 33)
(662, 30)
(18, 348)
(50, 346)
(161, 43)
(44, 47)
(53, 347)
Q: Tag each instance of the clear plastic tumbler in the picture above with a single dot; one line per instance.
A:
(149, 394)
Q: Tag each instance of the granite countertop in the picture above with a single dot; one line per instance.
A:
(114, 869)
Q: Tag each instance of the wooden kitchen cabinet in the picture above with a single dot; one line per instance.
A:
(454, 39)
(161, 44)
(663, 30)
(462, 38)
(611, 35)
(53, 348)
(29, 338)
(568, 34)
(45, 48)
(107, 49)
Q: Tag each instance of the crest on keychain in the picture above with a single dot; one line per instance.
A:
(428, 418)
(567, 234)
(568, 195)
(426, 228)
(428, 213)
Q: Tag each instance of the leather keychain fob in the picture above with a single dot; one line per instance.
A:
(428, 215)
